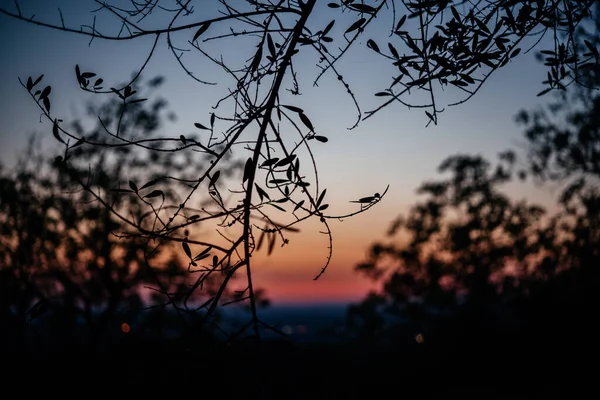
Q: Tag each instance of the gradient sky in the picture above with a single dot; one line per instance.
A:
(393, 148)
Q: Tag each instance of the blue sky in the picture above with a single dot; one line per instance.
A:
(393, 148)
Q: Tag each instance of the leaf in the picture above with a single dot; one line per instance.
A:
(277, 207)
(321, 197)
(382, 94)
(306, 121)
(271, 244)
(269, 162)
(363, 8)
(333, 5)
(328, 28)
(45, 92)
(256, 60)
(150, 183)
(136, 101)
(133, 186)
(261, 192)
(46, 102)
(154, 193)
(323, 207)
(183, 140)
(300, 204)
(201, 30)
(590, 46)
(203, 253)
(215, 260)
(401, 22)
(543, 92)
(393, 50)
(371, 44)
(98, 82)
(200, 126)
(55, 132)
(455, 13)
(286, 160)
(78, 74)
(214, 178)
(87, 75)
(212, 120)
(356, 25)
(38, 80)
(515, 53)
(186, 248)
(29, 84)
(294, 109)
(271, 46)
(321, 139)
(247, 169)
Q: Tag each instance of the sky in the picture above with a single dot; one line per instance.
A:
(393, 148)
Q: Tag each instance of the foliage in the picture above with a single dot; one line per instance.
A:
(470, 254)
(433, 45)
(67, 278)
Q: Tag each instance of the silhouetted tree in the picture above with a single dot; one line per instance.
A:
(433, 45)
(69, 279)
(470, 254)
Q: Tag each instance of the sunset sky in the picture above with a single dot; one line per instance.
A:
(393, 148)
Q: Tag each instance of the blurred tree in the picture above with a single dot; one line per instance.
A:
(472, 256)
(433, 45)
(68, 278)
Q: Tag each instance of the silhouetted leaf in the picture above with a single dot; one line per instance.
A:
(401, 22)
(321, 197)
(98, 82)
(200, 126)
(256, 60)
(269, 162)
(215, 261)
(154, 193)
(183, 140)
(382, 94)
(88, 75)
(393, 50)
(323, 207)
(45, 92)
(261, 193)
(322, 139)
(201, 30)
(306, 121)
(294, 109)
(356, 25)
(38, 80)
(286, 160)
(300, 204)
(55, 132)
(371, 44)
(150, 183)
(214, 178)
(133, 186)
(247, 169)
(333, 5)
(136, 101)
(186, 248)
(29, 84)
(271, 46)
(543, 92)
(277, 207)
(204, 253)
(46, 103)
